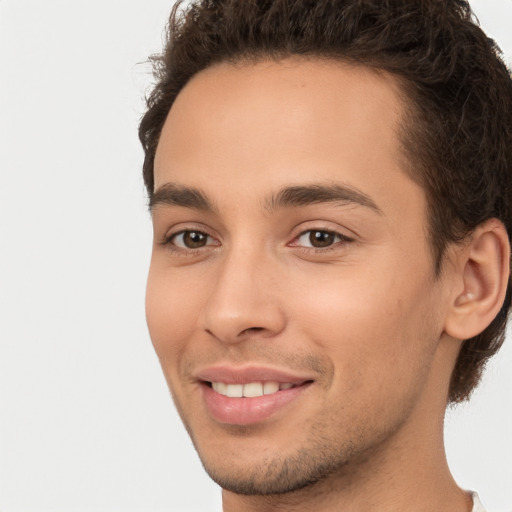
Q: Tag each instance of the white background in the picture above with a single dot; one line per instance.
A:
(86, 422)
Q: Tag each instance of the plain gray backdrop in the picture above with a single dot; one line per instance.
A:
(86, 421)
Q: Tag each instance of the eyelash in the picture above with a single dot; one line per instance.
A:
(341, 240)
(169, 242)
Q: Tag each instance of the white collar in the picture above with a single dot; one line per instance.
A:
(477, 504)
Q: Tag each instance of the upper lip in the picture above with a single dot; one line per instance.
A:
(247, 374)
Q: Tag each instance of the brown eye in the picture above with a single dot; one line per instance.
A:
(321, 238)
(191, 239)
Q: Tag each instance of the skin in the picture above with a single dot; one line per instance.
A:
(365, 316)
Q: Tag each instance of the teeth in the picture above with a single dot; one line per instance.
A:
(220, 387)
(270, 387)
(235, 390)
(249, 390)
(253, 389)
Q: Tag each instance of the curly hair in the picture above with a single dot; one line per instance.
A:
(456, 133)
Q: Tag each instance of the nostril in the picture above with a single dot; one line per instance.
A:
(252, 329)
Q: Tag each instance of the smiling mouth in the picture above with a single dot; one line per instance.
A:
(249, 402)
(251, 389)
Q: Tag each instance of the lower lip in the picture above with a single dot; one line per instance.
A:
(246, 411)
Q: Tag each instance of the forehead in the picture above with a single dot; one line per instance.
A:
(287, 122)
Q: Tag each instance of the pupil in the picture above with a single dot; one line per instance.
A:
(194, 239)
(321, 238)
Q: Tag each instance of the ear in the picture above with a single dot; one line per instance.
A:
(482, 268)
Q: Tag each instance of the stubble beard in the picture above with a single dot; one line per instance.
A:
(309, 467)
(328, 457)
(334, 453)
(279, 475)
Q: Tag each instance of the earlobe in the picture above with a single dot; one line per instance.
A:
(483, 266)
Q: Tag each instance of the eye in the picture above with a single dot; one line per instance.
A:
(191, 239)
(319, 238)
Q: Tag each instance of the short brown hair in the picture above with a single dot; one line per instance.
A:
(457, 134)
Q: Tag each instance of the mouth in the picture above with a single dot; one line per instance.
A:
(251, 395)
(251, 389)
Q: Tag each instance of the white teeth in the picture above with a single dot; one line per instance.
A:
(220, 387)
(270, 387)
(249, 390)
(253, 389)
(235, 390)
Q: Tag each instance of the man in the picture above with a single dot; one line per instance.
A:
(330, 188)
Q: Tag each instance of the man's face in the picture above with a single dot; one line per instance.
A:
(290, 258)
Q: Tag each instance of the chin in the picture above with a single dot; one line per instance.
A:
(276, 474)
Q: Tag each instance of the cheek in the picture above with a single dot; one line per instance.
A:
(380, 350)
(372, 328)
(171, 313)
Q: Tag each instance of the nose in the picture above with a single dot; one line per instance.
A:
(244, 299)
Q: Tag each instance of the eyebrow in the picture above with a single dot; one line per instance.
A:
(172, 194)
(303, 195)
